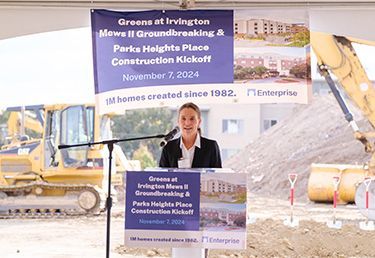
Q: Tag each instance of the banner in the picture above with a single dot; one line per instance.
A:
(185, 209)
(272, 56)
(165, 58)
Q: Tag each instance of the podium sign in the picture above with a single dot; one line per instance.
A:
(185, 209)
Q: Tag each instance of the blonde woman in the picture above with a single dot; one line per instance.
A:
(191, 150)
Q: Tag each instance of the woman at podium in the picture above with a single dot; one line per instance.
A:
(191, 150)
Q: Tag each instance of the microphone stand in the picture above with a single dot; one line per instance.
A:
(110, 144)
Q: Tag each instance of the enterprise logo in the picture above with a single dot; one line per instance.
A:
(271, 93)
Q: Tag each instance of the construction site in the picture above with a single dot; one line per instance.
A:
(310, 186)
(267, 161)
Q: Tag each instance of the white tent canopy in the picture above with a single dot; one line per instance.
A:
(29, 20)
(27, 17)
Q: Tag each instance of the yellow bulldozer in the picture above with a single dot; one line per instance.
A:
(337, 57)
(37, 178)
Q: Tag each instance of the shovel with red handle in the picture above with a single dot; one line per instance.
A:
(367, 224)
(291, 221)
(334, 223)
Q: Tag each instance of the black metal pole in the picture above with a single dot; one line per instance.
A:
(109, 199)
(110, 144)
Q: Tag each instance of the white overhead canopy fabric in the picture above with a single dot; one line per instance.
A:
(351, 23)
(16, 22)
(25, 17)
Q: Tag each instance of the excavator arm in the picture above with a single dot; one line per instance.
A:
(336, 56)
(338, 59)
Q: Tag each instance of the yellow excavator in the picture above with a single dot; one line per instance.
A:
(36, 178)
(336, 56)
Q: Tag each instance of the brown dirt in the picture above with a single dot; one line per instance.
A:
(269, 237)
(315, 133)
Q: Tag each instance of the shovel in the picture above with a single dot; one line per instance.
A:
(334, 223)
(251, 219)
(291, 221)
(367, 224)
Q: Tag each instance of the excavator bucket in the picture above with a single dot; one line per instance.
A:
(321, 184)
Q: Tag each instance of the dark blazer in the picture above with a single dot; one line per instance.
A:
(207, 156)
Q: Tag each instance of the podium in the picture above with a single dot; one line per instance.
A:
(188, 210)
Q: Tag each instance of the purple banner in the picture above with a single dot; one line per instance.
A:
(185, 208)
(137, 49)
(162, 200)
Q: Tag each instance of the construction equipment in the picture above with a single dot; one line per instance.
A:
(36, 178)
(336, 56)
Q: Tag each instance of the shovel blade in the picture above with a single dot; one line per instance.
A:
(367, 225)
(291, 222)
(251, 219)
(334, 224)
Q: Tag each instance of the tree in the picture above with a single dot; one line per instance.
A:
(260, 70)
(142, 122)
(301, 39)
(145, 157)
(302, 70)
(239, 72)
(4, 115)
(240, 221)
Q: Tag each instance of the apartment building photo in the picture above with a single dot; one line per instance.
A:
(253, 27)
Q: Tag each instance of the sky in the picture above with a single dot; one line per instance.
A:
(56, 67)
(47, 68)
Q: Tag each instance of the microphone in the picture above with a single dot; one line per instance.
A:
(169, 136)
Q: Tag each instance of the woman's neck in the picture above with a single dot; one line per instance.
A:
(189, 141)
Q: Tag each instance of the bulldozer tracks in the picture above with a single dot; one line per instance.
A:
(40, 200)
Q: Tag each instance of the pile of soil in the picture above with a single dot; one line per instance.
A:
(310, 239)
(313, 133)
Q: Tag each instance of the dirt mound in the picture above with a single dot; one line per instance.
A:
(270, 238)
(296, 242)
(314, 133)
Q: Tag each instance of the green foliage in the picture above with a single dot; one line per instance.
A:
(242, 36)
(145, 157)
(260, 70)
(257, 37)
(4, 115)
(240, 221)
(300, 39)
(241, 198)
(239, 73)
(140, 123)
(243, 73)
(302, 70)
